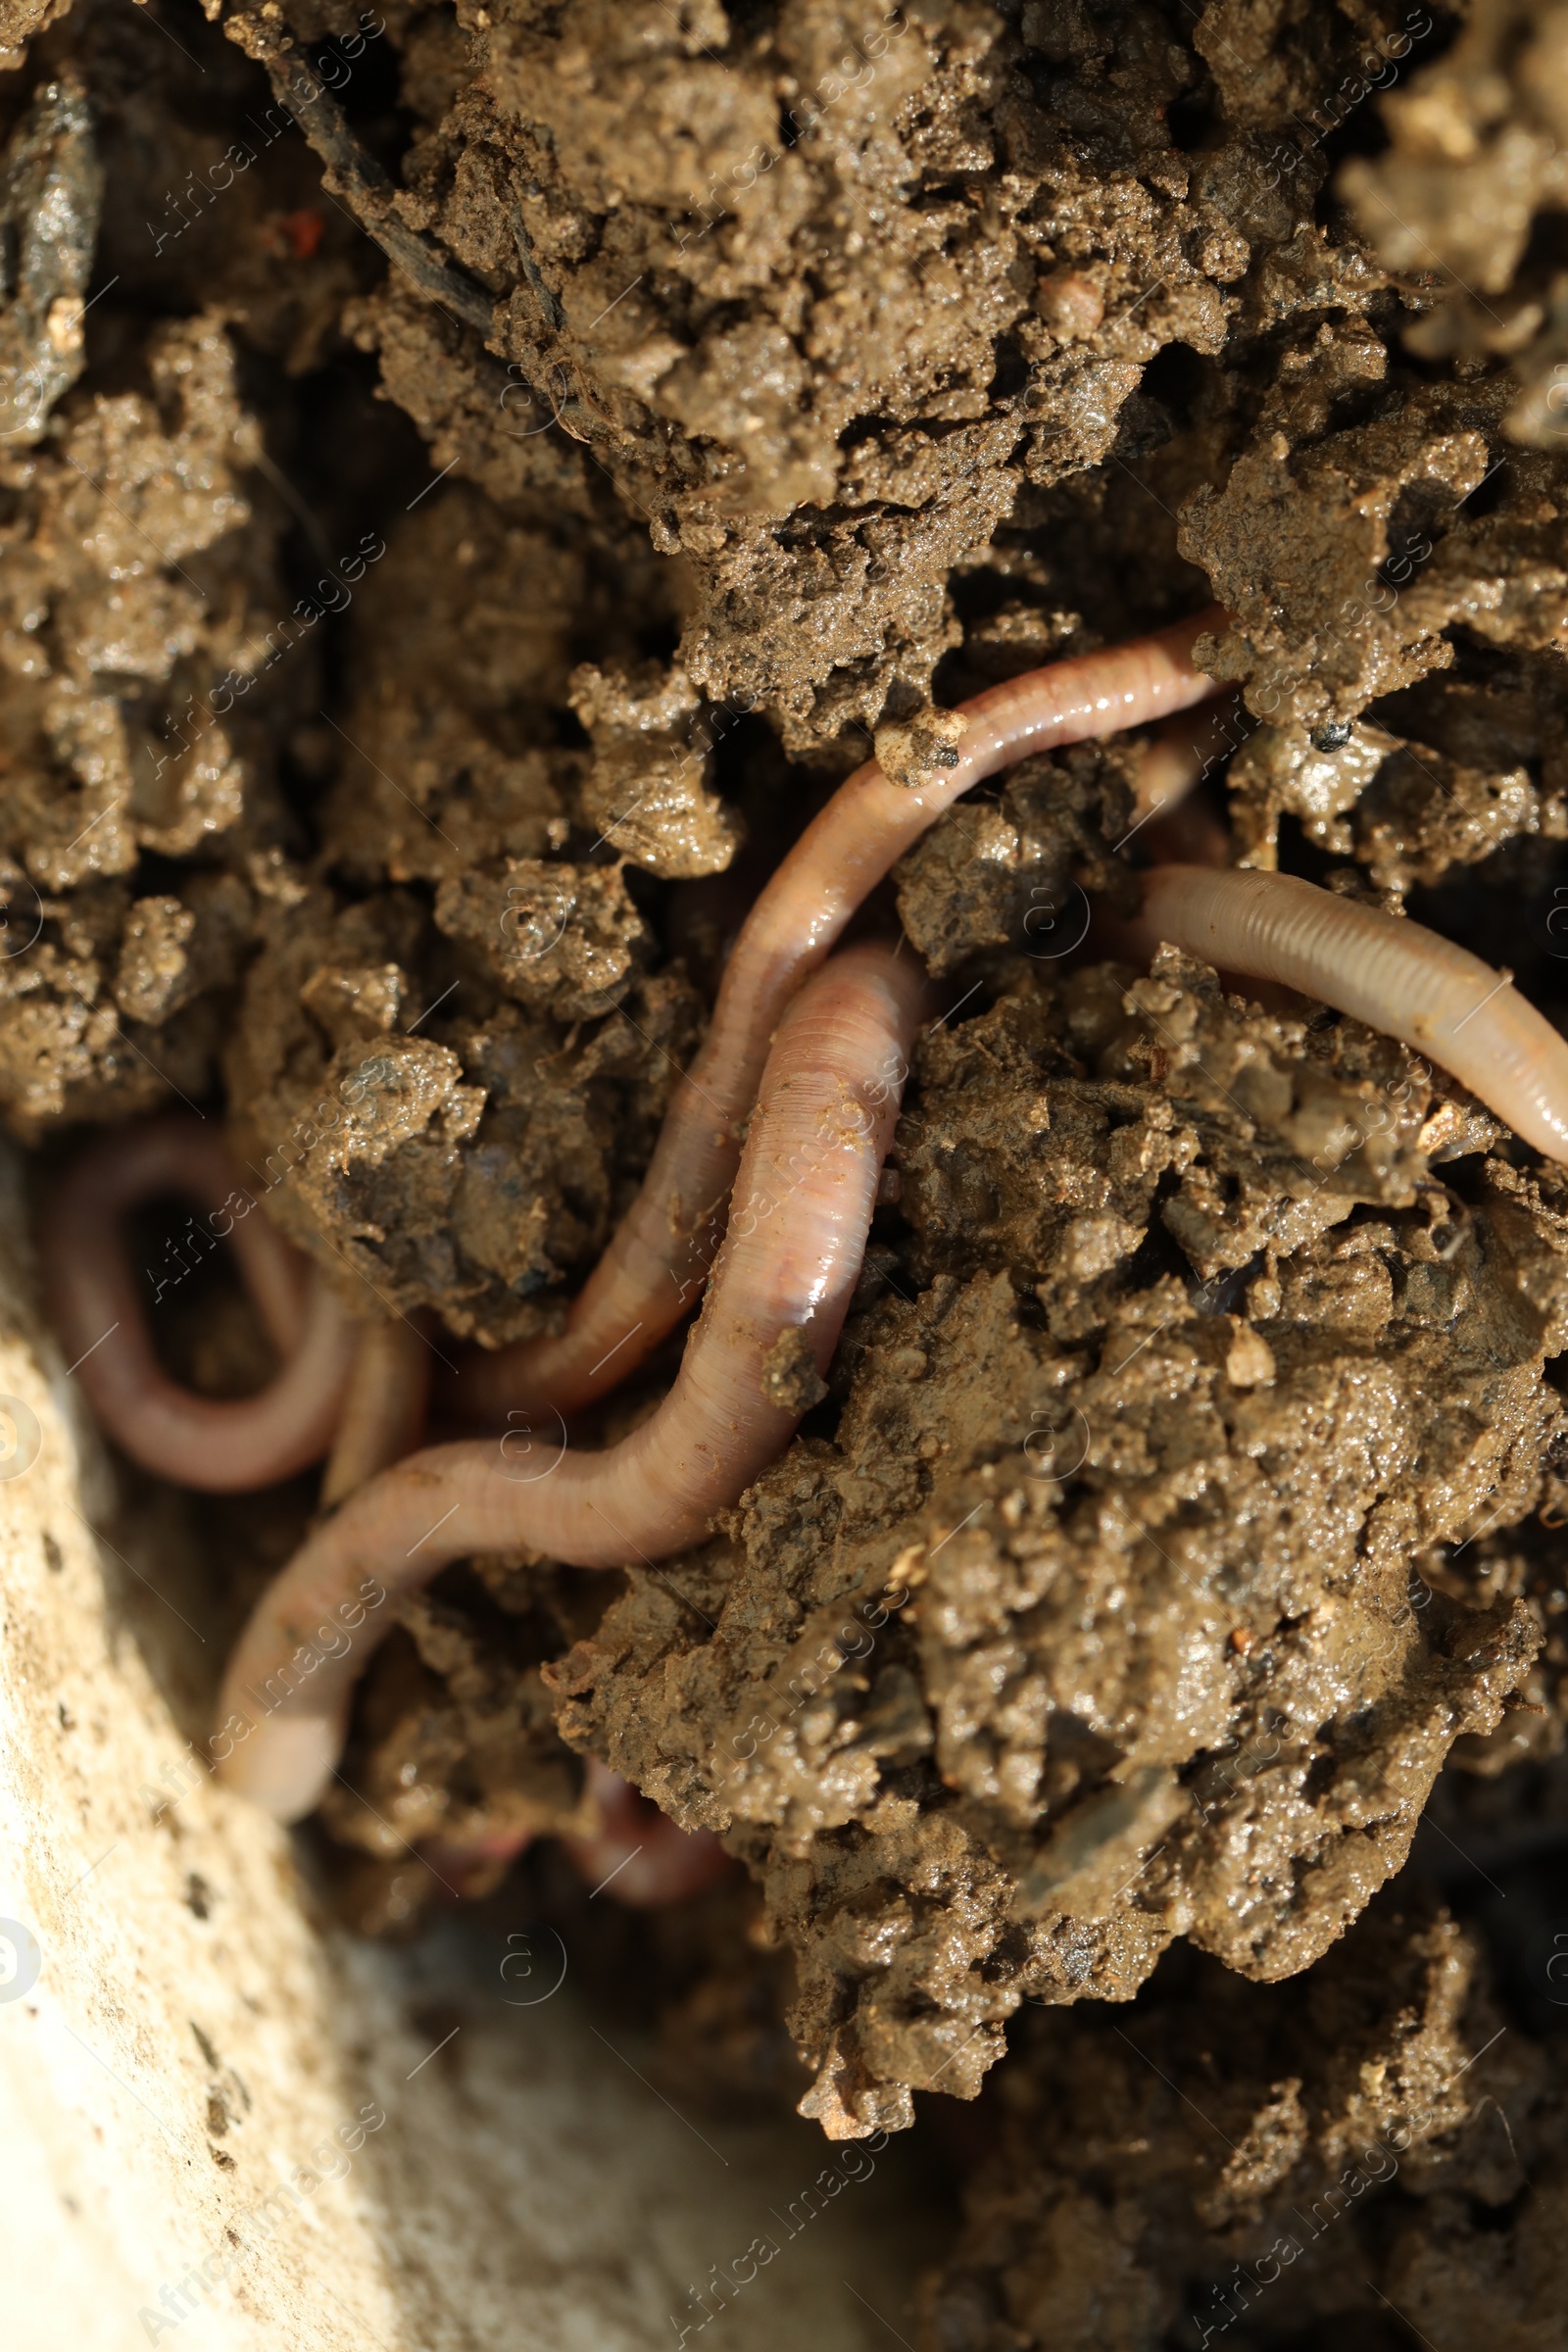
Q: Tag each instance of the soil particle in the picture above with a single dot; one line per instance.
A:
(914, 751)
(458, 1741)
(469, 1155)
(1295, 2162)
(451, 1059)
(645, 787)
(790, 1376)
(125, 606)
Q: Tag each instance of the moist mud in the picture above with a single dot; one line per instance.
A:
(413, 667)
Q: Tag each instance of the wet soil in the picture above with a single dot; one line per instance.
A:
(413, 668)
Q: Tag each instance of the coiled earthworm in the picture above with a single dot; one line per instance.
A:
(782, 1285)
(97, 1313)
(657, 1260)
(1393, 975)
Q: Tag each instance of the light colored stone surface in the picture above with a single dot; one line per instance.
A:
(168, 2071)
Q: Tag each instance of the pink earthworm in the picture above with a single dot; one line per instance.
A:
(97, 1313)
(383, 1407)
(1177, 755)
(1382, 969)
(637, 1855)
(473, 1867)
(657, 1260)
(640, 1857)
(790, 1260)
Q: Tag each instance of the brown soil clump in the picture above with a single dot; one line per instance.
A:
(1295, 2166)
(134, 565)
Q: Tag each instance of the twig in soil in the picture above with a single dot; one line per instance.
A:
(359, 179)
(548, 302)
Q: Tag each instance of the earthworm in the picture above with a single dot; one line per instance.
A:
(1178, 754)
(383, 1407)
(640, 1855)
(471, 1867)
(657, 1260)
(1171, 822)
(782, 1285)
(1393, 975)
(97, 1313)
(637, 1857)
